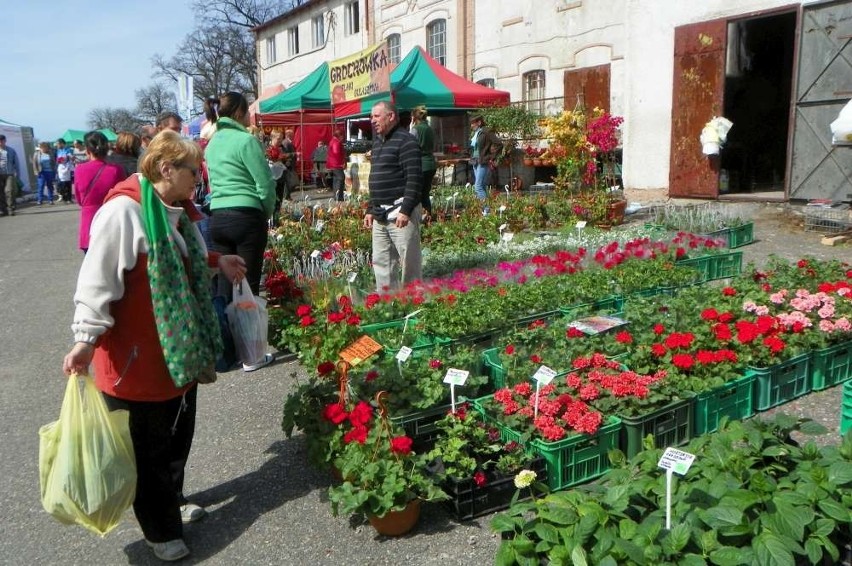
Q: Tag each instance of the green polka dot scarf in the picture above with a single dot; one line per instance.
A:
(183, 308)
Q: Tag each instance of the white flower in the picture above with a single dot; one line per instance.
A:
(525, 478)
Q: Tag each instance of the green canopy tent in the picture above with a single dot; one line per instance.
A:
(71, 135)
(417, 79)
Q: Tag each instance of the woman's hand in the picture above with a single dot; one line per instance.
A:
(78, 359)
(233, 267)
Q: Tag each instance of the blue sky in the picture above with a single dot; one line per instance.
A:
(61, 59)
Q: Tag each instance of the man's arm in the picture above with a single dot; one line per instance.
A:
(409, 161)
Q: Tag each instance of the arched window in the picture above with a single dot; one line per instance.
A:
(486, 82)
(436, 40)
(394, 51)
(533, 95)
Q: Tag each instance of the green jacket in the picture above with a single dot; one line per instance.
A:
(238, 169)
(426, 139)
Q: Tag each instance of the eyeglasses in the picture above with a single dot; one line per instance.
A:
(192, 170)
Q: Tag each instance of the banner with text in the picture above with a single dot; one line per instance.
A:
(362, 74)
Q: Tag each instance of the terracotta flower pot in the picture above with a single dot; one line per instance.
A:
(536, 162)
(397, 523)
(615, 214)
(528, 162)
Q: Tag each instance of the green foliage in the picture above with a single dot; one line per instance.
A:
(512, 121)
(752, 496)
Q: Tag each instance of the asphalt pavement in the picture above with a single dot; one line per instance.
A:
(266, 504)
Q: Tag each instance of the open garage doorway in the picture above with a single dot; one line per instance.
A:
(757, 99)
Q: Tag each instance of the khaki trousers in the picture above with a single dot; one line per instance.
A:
(394, 248)
(8, 193)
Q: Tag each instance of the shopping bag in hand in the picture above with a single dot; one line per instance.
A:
(249, 323)
(86, 464)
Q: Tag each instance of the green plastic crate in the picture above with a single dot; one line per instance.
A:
(779, 383)
(736, 236)
(846, 408)
(421, 426)
(700, 264)
(495, 370)
(606, 305)
(670, 426)
(831, 366)
(732, 400)
(580, 458)
(727, 265)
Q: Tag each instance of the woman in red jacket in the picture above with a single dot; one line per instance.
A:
(335, 162)
(93, 180)
(146, 256)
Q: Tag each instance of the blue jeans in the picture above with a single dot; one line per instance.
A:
(480, 173)
(45, 178)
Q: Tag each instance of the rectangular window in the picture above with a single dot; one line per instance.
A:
(318, 31)
(293, 41)
(436, 41)
(394, 50)
(534, 91)
(352, 16)
(271, 55)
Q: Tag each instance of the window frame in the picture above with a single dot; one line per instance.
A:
(433, 48)
(351, 18)
(534, 103)
(488, 83)
(394, 51)
(271, 50)
(293, 41)
(318, 31)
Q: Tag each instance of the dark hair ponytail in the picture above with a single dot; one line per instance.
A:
(231, 103)
(210, 109)
(96, 144)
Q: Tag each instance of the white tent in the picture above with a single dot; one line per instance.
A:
(20, 138)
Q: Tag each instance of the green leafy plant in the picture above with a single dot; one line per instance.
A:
(381, 473)
(752, 496)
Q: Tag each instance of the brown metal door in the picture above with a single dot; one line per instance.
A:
(824, 85)
(589, 86)
(699, 83)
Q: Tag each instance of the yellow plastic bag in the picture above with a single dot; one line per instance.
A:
(87, 468)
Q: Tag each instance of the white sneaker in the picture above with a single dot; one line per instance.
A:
(267, 359)
(169, 551)
(191, 512)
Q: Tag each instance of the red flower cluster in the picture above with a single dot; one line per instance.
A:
(280, 286)
(359, 419)
(401, 445)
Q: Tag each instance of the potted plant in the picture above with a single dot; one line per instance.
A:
(477, 468)
(383, 478)
(511, 123)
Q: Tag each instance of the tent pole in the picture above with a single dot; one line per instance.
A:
(302, 145)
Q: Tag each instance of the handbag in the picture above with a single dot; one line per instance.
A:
(91, 183)
(86, 463)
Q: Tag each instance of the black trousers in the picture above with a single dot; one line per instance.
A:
(241, 231)
(162, 433)
(426, 200)
(338, 183)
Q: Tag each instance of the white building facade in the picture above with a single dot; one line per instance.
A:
(666, 66)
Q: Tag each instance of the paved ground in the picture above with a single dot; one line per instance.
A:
(267, 505)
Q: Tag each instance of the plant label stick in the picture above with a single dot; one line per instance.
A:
(542, 376)
(673, 461)
(403, 354)
(455, 377)
(407, 318)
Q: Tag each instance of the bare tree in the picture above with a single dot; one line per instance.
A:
(117, 119)
(242, 13)
(219, 57)
(153, 100)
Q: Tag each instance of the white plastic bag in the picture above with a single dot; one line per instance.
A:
(87, 468)
(249, 322)
(841, 129)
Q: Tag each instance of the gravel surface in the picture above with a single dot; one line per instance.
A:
(267, 505)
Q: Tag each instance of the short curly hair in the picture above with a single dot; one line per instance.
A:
(168, 146)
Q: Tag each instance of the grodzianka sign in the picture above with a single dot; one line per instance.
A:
(362, 74)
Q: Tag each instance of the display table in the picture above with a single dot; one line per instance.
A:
(460, 173)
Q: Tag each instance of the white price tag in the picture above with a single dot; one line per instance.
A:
(352, 277)
(456, 376)
(320, 225)
(404, 353)
(502, 208)
(677, 461)
(507, 236)
(581, 224)
(503, 227)
(315, 254)
(544, 375)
